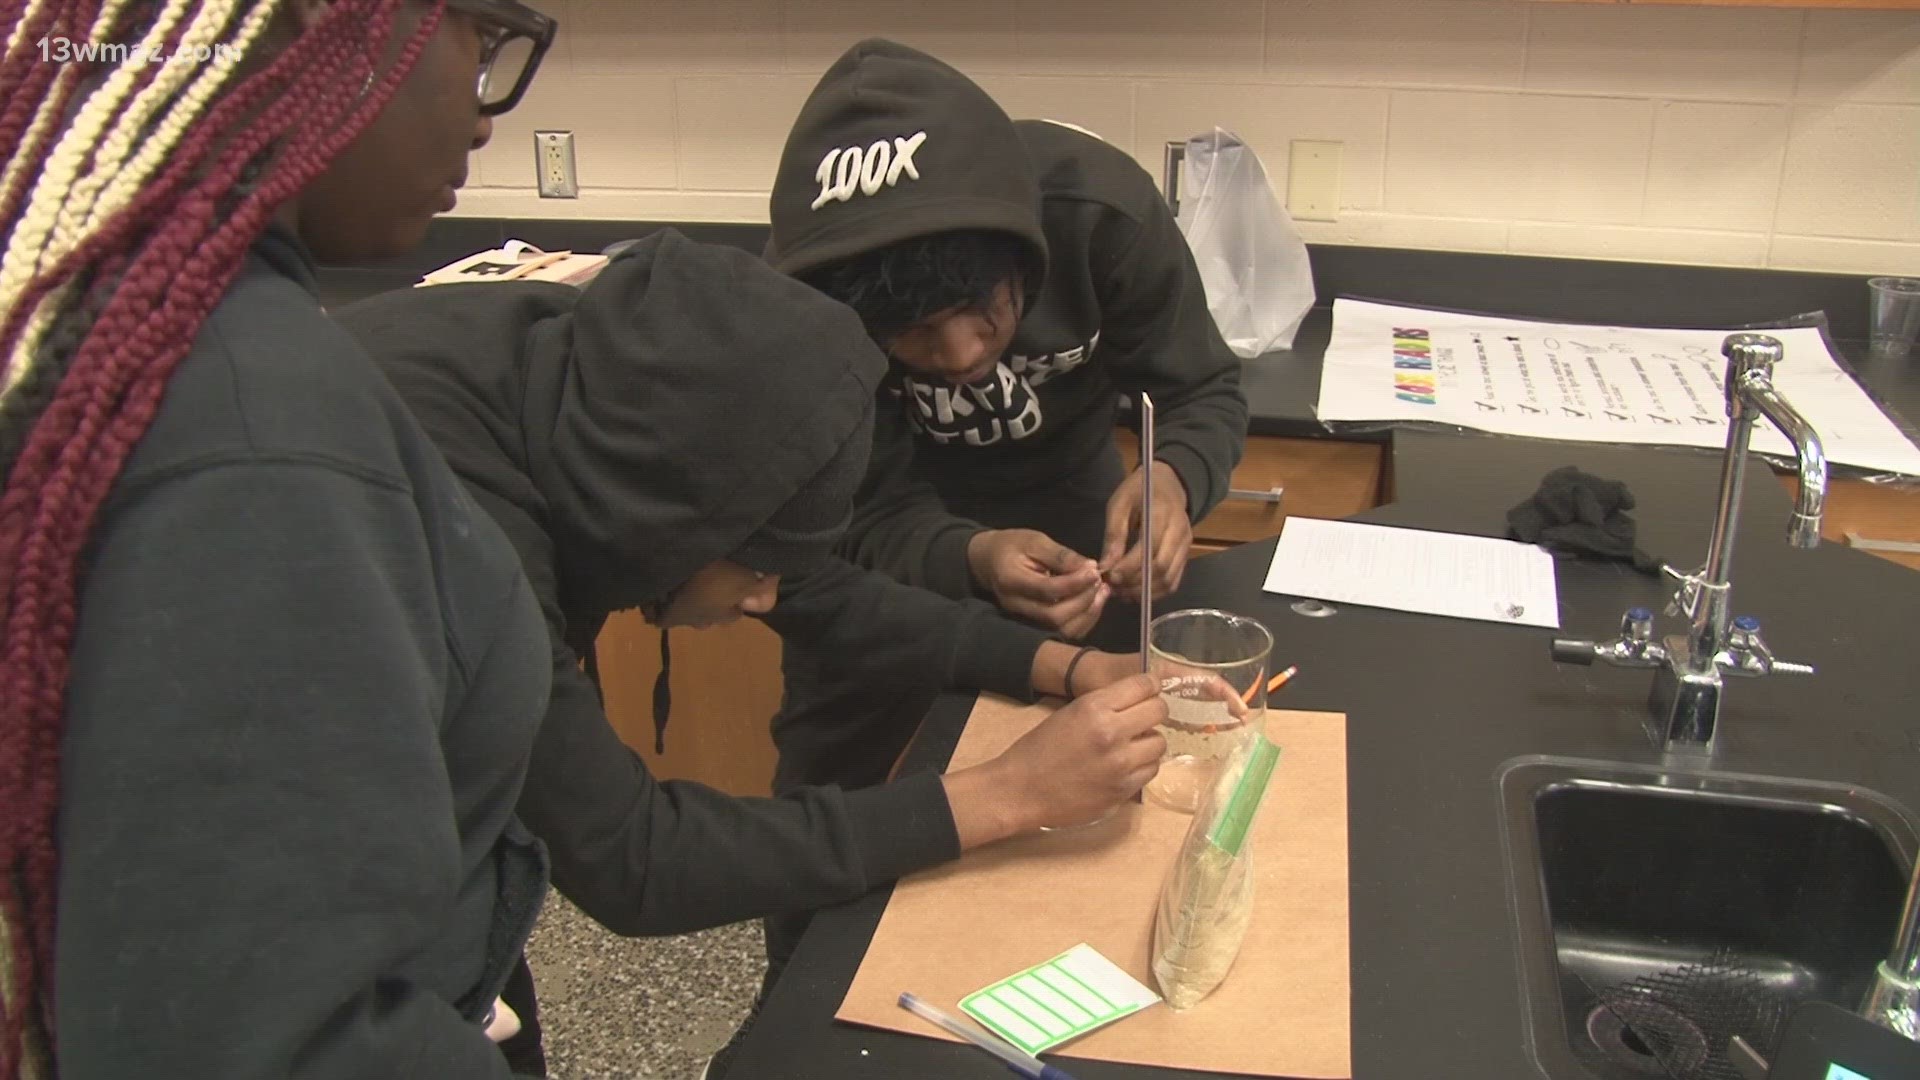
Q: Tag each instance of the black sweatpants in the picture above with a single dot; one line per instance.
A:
(524, 1052)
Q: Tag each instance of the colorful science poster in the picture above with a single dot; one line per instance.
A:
(1587, 383)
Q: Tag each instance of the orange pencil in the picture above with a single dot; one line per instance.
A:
(1273, 684)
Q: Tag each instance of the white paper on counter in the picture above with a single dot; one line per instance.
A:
(1588, 383)
(1434, 573)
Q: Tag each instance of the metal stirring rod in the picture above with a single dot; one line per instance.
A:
(1146, 529)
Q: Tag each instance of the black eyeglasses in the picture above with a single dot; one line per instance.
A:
(513, 39)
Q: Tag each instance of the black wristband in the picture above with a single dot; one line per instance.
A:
(1074, 663)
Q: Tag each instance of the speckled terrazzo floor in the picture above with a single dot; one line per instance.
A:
(619, 1008)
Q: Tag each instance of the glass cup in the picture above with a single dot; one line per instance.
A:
(1220, 699)
(1896, 315)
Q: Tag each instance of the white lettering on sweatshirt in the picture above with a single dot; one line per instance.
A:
(1040, 369)
(850, 170)
(1002, 406)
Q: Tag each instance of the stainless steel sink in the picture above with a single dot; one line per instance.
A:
(1620, 871)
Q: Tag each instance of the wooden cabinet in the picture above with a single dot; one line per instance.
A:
(1318, 478)
(726, 687)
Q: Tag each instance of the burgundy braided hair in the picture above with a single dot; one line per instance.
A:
(151, 274)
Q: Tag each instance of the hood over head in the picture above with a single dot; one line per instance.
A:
(696, 406)
(688, 404)
(893, 145)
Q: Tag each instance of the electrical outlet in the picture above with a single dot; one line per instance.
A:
(1313, 180)
(553, 165)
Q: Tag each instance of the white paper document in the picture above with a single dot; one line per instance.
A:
(1588, 383)
(1464, 577)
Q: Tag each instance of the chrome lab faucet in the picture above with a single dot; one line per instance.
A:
(1894, 1000)
(1690, 669)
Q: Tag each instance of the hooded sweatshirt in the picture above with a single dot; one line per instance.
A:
(305, 677)
(624, 435)
(894, 144)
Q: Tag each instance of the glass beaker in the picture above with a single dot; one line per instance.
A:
(1212, 654)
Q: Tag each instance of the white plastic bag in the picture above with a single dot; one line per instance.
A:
(1251, 259)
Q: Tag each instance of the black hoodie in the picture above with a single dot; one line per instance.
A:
(305, 677)
(623, 435)
(1121, 308)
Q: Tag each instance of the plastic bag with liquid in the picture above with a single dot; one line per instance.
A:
(1206, 903)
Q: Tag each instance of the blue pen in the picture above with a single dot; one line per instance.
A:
(1019, 1061)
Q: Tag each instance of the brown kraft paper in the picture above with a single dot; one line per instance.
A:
(1284, 1008)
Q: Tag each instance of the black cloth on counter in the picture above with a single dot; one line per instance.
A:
(1579, 514)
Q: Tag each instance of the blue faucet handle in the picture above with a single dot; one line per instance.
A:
(1636, 628)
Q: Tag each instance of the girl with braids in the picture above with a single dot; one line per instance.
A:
(268, 677)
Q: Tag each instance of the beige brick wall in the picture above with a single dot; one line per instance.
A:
(1731, 136)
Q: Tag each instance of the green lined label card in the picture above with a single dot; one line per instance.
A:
(1062, 999)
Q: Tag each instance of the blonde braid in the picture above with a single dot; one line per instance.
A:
(122, 185)
(37, 249)
(42, 120)
(28, 244)
(48, 115)
(20, 28)
(172, 127)
(103, 159)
